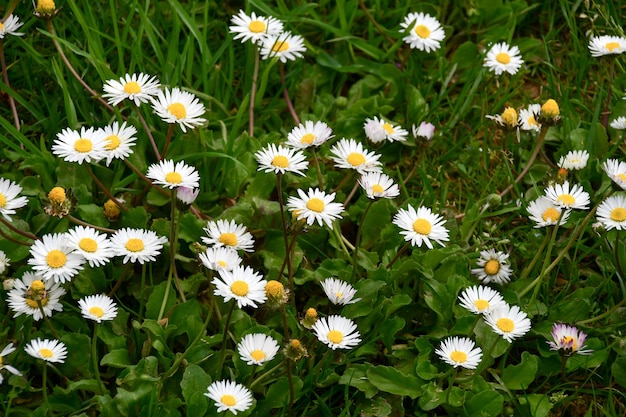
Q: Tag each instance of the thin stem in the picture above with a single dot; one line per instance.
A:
(357, 242)
(47, 320)
(603, 315)
(155, 148)
(224, 336)
(618, 263)
(146, 179)
(44, 388)
(340, 238)
(395, 258)
(83, 223)
(610, 93)
(563, 363)
(546, 261)
(9, 238)
(292, 394)
(538, 254)
(5, 74)
(320, 180)
(173, 253)
(104, 189)
(375, 23)
(264, 375)
(168, 140)
(290, 107)
(170, 273)
(18, 231)
(94, 358)
(279, 181)
(255, 76)
(352, 192)
(289, 250)
(142, 303)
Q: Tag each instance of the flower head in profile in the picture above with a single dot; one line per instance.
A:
(508, 321)
(53, 258)
(173, 175)
(607, 45)
(254, 28)
(550, 113)
(279, 159)
(138, 88)
(257, 348)
(277, 295)
(424, 130)
(378, 130)
(119, 141)
(229, 395)
(503, 58)
(87, 145)
(5, 262)
(178, 106)
(310, 318)
(10, 26)
(509, 119)
(460, 351)
(8, 349)
(241, 284)
(93, 245)
(60, 202)
(137, 245)
(9, 200)
(545, 213)
(339, 292)
(421, 226)
(220, 257)
(616, 170)
(31, 291)
(568, 340)
(378, 185)
(315, 206)
(98, 308)
(528, 118)
(619, 123)
(229, 234)
(50, 350)
(612, 212)
(423, 32)
(45, 9)
(494, 267)
(349, 154)
(284, 46)
(187, 195)
(568, 198)
(574, 160)
(309, 134)
(337, 332)
(480, 299)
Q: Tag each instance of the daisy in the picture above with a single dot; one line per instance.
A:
(574, 160)
(4, 262)
(350, 154)
(177, 106)
(606, 45)
(314, 206)
(53, 258)
(187, 194)
(480, 299)
(281, 160)
(563, 196)
(424, 32)
(253, 27)
(545, 213)
(503, 58)
(8, 349)
(550, 113)
(619, 123)
(241, 284)
(31, 288)
(616, 170)
(229, 234)
(425, 130)
(9, 201)
(257, 348)
(460, 351)
(138, 88)
(493, 267)
(220, 257)
(119, 140)
(385, 131)
(137, 245)
(612, 212)
(98, 307)
(339, 292)
(508, 321)
(337, 332)
(421, 226)
(93, 245)
(10, 25)
(173, 175)
(285, 46)
(46, 349)
(309, 134)
(528, 118)
(508, 119)
(378, 185)
(569, 340)
(229, 395)
(88, 145)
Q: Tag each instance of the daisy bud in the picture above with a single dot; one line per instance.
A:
(57, 195)
(8, 284)
(276, 294)
(187, 194)
(111, 211)
(295, 350)
(425, 130)
(60, 202)
(550, 113)
(45, 7)
(509, 116)
(561, 175)
(310, 317)
(494, 200)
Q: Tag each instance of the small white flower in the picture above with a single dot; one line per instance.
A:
(4, 262)
(339, 292)
(314, 206)
(53, 258)
(281, 160)
(528, 118)
(9, 201)
(337, 332)
(88, 145)
(242, 284)
(309, 134)
(137, 245)
(425, 130)
(612, 212)
(253, 27)
(574, 160)
(31, 289)
(119, 141)
(494, 267)
(138, 88)
(460, 351)
(93, 245)
(563, 196)
(285, 46)
(424, 32)
(229, 234)
(421, 226)
(46, 349)
(619, 123)
(8, 349)
(480, 299)
(508, 321)
(378, 185)
(616, 170)
(220, 257)
(257, 348)
(177, 106)
(503, 58)
(229, 395)
(10, 25)
(606, 45)
(349, 154)
(545, 213)
(378, 130)
(98, 308)
(173, 175)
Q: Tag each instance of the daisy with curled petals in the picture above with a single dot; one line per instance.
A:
(138, 88)
(528, 118)
(503, 58)
(314, 206)
(612, 212)
(378, 185)
(494, 267)
(88, 145)
(229, 234)
(10, 26)
(606, 45)
(220, 257)
(508, 321)
(480, 299)
(337, 332)
(389, 132)
(285, 47)
(309, 134)
(280, 160)
(93, 245)
(119, 140)
(8, 349)
(574, 160)
(568, 340)
(9, 201)
(229, 395)
(563, 196)
(257, 348)
(421, 226)
(53, 258)
(98, 308)
(339, 292)
(374, 130)
(424, 130)
(32, 290)
(349, 154)
(137, 245)
(178, 106)
(616, 170)
(460, 351)
(242, 284)
(423, 32)
(545, 213)
(254, 28)
(50, 350)
(173, 175)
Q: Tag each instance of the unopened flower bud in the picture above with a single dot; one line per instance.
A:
(295, 350)
(310, 317)
(276, 294)
(111, 211)
(550, 113)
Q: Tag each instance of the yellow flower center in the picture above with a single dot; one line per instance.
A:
(492, 267)
(96, 311)
(335, 336)
(566, 340)
(134, 245)
(33, 303)
(274, 289)
(56, 258)
(3, 200)
(550, 214)
(173, 178)
(532, 121)
(422, 226)
(88, 244)
(618, 214)
(256, 26)
(422, 31)
(178, 110)
(388, 128)
(57, 195)
(481, 305)
(566, 199)
(280, 161)
(505, 324)
(83, 145)
(308, 138)
(228, 400)
(311, 313)
(111, 210)
(257, 354)
(316, 205)
(45, 6)
(550, 109)
(622, 177)
(355, 159)
(295, 343)
(611, 45)
(377, 188)
(280, 46)
(45, 353)
(503, 58)
(228, 239)
(458, 356)
(1, 28)
(132, 87)
(221, 264)
(239, 288)
(37, 285)
(113, 142)
(509, 116)
(339, 295)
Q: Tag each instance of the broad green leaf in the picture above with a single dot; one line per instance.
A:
(486, 403)
(117, 358)
(355, 376)
(519, 377)
(390, 380)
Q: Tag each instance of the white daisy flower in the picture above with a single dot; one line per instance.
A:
(93, 245)
(528, 118)
(378, 185)
(187, 194)
(242, 284)
(349, 154)
(460, 351)
(177, 106)
(508, 321)
(53, 258)
(612, 212)
(421, 226)
(494, 267)
(545, 213)
(568, 339)
(9, 201)
(503, 58)
(220, 257)
(424, 32)
(8, 349)
(619, 123)
(280, 160)
(138, 88)
(229, 395)
(173, 175)
(616, 170)
(314, 206)
(254, 28)
(257, 348)
(98, 307)
(480, 299)
(29, 289)
(119, 140)
(337, 332)
(309, 134)
(137, 245)
(606, 45)
(386, 131)
(5, 262)
(509, 119)
(563, 196)
(285, 46)
(574, 160)
(339, 292)
(229, 234)
(47, 349)
(88, 145)
(425, 130)
(374, 130)
(10, 26)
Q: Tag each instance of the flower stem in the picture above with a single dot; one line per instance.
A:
(264, 375)
(170, 273)
(395, 258)
(292, 110)
(168, 140)
(224, 336)
(18, 231)
(5, 73)
(255, 77)
(543, 273)
(320, 180)
(44, 388)
(155, 148)
(603, 315)
(538, 253)
(82, 223)
(94, 359)
(279, 182)
(47, 320)
(357, 242)
(104, 189)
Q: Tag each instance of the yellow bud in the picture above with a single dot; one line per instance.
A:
(111, 210)
(509, 117)
(57, 195)
(46, 7)
(550, 109)
(310, 317)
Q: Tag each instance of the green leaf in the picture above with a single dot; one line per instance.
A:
(390, 380)
(432, 397)
(537, 404)
(195, 380)
(93, 214)
(389, 330)
(153, 306)
(618, 371)
(355, 376)
(519, 377)
(117, 358)
(486, 403)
